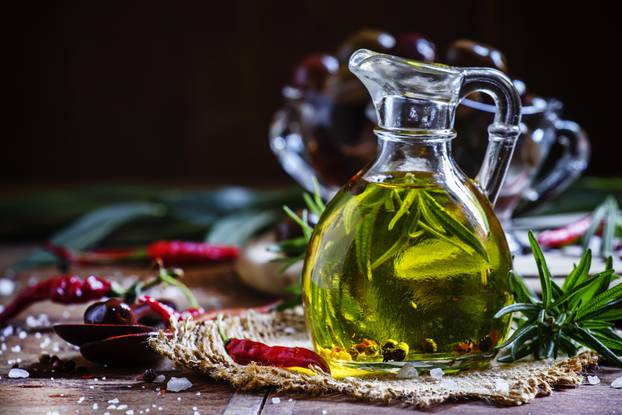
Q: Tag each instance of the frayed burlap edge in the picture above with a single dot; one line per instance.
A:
(199, 346)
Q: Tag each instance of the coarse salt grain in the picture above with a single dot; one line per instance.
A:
(502, 386)
(617, 383)
(437, 373)
(95, 406)
(6, 287)
(276, 401)
(22, 335)
(81, 399)
(408, 371)
(121, 407)
(16, 349)
(159, 379)
(593, 380)
(129, 412)
(17, 373)
(178, 384)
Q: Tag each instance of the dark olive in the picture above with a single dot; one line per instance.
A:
(146, 316)
(469, 53)
(376, 40)
(112, 311)
(313, 71)
(415, 46)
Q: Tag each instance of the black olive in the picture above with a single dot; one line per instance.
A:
(113, 311)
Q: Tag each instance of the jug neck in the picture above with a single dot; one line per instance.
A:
(414, 151)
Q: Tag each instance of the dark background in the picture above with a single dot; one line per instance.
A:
(184, 91)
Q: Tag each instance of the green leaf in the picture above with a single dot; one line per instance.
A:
(317, 195)
(91, 229)
(611, 219)
(609, 338)
(311, 205)
(578, 290)
(522, 351)
(521, 291)
(411, 196)
(520, 334)
(433, 211)
(362, 242)
(516, 307)
(611, 315)
(290, 247)
(307, 230)
(597, 218)
(579, 272)
(602, 301)
(543, 270)
(239, 227)
(586, 338)
(404, 236)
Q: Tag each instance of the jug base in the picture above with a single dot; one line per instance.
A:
(345, 368)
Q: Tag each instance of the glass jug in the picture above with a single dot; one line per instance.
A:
(408, 263)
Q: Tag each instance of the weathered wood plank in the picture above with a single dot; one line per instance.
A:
(245, 403)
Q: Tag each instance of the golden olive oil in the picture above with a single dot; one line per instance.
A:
(399, 271)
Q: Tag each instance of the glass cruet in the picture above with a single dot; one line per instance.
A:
(408, 262)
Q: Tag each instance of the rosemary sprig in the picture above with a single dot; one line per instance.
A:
(581, 312)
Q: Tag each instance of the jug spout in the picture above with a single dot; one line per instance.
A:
(420, 99)
(408, 95)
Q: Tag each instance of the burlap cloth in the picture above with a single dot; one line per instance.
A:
(198, 345)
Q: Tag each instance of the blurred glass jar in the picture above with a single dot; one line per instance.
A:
(329, 136)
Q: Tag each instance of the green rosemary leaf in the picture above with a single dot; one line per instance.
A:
(289, 247)
(543, 270)
(306, 228)
(611, 315)
(609, 338)
(410, 197)
(436, 211)
(522, 351)
(239, 227)
(611, 218)
(567, 345)
(405, 235)
(579, 272)
(586, 338)
(362, 243)
(520, 334)
(595, 324)
(597, 218)
(317, 195)
(580, 289)
(522, 293)
(515, 307)
(604, 286)
(602, 301)
(557, 291)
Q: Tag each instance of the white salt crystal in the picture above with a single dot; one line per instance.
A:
(121, 407)
(437, 373)
(7, 331)
(593, 380)
(159, 379)
(22, 335)
(617, 383)
(18, 373)
(276, 401)
(16, 349)
(408, 371)
(112, 407)
(81, 399)
(66, 314)
(6, 287)
(502, 386)
(114, 401)
(129, 412)
(95, 406)
(178, 384)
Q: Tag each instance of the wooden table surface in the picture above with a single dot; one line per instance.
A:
(216, 287)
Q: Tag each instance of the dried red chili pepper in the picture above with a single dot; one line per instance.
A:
(565, 235)
(185, 252)
(170, 252)
(244, 351)
(66, 289)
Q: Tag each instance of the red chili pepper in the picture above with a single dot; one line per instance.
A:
(565, 235)
(170, 252)
(161, 309)
(67, 289)
(178, 252)
(244, 351)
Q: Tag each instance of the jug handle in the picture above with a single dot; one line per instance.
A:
(502, 133)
